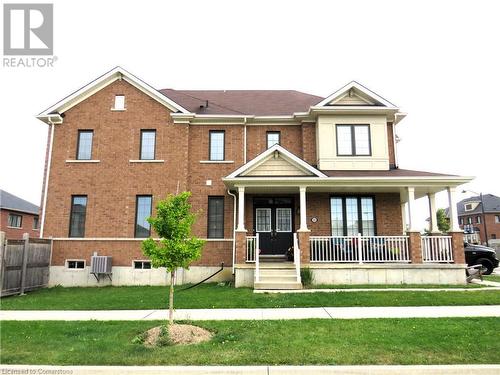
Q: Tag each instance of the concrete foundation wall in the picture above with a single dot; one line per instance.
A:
(341, 274)
(60, 275)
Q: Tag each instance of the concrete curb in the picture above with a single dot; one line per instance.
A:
(252, 370)
(262, 314)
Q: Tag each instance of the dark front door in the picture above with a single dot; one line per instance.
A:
(273, 220)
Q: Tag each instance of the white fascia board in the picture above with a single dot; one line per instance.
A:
(358, 86)
(350, 181)
(55, 119)
(260, 158)
(103, 81)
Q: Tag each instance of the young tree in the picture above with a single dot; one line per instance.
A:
(442, 220)
(176, 247)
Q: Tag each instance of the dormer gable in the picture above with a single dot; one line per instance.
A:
(355, 94)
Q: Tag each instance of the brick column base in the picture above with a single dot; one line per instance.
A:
(415, 247)
(304, 246)
(457, 244)
(240, 238)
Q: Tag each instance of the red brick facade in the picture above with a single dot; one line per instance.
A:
(27, 224)
(492, 221)
(113, 181)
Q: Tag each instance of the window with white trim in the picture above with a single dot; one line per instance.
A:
(142, 264)
(119, 102)
(469, 220)
(84, 147)
(353, 140)
(263, 219)
(468, 207)
(283, 220)
(273, 138)
(497, 219)
(15, 221)
(148, 144)
(478, 219)
(75, 264)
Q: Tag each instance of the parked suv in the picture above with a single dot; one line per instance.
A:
(478, 254)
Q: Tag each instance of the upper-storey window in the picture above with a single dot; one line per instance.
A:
(273, 138)
(468, 207)
(353, 140)
(84, 147)
(119, 102)
(35, 222)
(15, 221)
(216, 151)
(148, 144)
(77, 216)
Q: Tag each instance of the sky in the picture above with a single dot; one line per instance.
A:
(438, 60)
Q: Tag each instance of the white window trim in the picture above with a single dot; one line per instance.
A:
(75, 260)
(82, 161)
(216, 161)
(20, 227)
(468, 204)
(119, 109)
(291, 218)
(146, 161)
(270, 220)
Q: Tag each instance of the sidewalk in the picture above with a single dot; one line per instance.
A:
(263, 314)
(253, 370)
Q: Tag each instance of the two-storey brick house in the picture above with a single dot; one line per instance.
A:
(273, 173)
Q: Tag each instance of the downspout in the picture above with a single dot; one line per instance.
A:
(234, 227)
(46, 187)
(245, 141)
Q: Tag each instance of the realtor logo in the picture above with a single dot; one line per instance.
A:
(28, 29)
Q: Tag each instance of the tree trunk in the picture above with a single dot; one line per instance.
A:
(171, 299)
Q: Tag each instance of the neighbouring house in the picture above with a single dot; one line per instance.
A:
(18, 216)
(477, 224)
(281, 180)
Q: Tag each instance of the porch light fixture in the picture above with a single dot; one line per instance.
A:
(276, 154)
(482, 212)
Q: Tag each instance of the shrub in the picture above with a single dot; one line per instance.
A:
(306, 276)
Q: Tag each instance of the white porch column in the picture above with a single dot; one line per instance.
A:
(432, 209)
(303, 216)
(241, 208)
(411, 209)
(403, 216)
(452, 201)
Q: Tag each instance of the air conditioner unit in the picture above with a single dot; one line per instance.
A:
(101, 265)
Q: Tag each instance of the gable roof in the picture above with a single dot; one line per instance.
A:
(295, 161)
(9, 201)
(104, 80)
(491, 204)
(364, 94)
(243, 102)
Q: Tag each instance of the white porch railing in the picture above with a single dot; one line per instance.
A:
(251, 248)
(296, 257)
(360, 249)
(437, 249)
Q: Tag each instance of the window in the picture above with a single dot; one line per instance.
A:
(216, 145)
(263, 219)
(35, 222)
(15, 221)
(148, 144)
(119, 102)
(77, 216)
(283, 220)
(215, 217)
(75, 264)
(493, 236)
(468, 207)
(497, 219)
(353, 140)
(478, 219)
(84, 147)
(142, 212)
(352, 215)
(142, 264)
(273, 138)
(461, 221)
(469, 220)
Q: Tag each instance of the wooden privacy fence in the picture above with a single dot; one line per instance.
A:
(24, 264)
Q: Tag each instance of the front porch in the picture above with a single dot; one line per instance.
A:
(349, 227)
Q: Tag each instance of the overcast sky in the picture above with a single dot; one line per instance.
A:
(438, 60)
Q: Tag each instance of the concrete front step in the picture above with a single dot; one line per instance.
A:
(277, 274)
(279, 265)
(277, 285)
(277, 278)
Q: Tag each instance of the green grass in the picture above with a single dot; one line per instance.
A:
(215, 296)
(295, 342)
(492, 278)
(397, 286)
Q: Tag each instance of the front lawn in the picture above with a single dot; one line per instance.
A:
(492, 278)
(216, 296)
(294, 342)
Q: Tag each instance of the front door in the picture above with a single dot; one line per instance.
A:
(274, 222)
